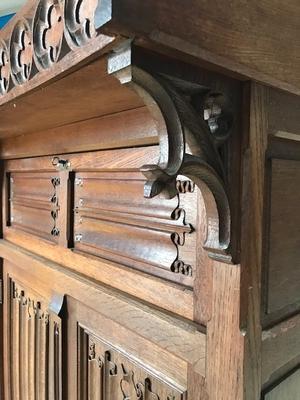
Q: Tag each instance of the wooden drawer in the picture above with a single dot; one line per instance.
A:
(97, 207)
(114, 220)
(34, 204)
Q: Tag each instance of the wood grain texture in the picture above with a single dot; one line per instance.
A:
(125, 129)
(280, 349)
(287, 389)
(99, 348)
(284, 246)
(77, 102)
(170, 334)
(255, 143)
(225, 343)
(49, 50)
(31, 346)
(216, 34)
(113, 220)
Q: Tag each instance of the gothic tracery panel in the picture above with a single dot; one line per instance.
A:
(109, 374)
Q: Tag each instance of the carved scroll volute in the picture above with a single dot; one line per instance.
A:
(4, 68)
(187, 147)
(21, 52)
(48, 32)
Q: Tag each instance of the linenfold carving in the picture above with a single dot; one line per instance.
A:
(35, 335)
(190, 135)
(50, 31)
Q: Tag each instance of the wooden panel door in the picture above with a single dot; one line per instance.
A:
(108, 361)
(32, 341)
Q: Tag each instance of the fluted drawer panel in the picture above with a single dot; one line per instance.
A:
(34, 205)
(113, 220)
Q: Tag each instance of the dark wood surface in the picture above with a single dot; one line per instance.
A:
(216, 34)
(150, 225)
(284, 246)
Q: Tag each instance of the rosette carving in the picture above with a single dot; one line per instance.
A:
(21, 52)
(4, 68)
(48, 32)
(80, 20)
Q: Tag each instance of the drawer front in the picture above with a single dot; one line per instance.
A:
(113, 220)
(34, 204)
(94, 204)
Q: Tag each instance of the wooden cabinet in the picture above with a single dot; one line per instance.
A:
(32, 340)
(150, 241)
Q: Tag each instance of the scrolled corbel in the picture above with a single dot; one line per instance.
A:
(189, 137)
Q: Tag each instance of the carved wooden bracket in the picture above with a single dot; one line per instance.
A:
(190, 137)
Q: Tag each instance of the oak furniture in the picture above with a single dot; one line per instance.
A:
(150, 241)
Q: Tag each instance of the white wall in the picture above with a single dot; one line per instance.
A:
(10, 6)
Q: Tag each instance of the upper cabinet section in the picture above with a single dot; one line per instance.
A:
(138, 99)
(52, 36)
(94, 204)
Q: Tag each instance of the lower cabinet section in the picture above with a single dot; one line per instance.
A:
(104, 370)
(33, 345)
(56, 347)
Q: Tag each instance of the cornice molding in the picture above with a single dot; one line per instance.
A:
(48, 37)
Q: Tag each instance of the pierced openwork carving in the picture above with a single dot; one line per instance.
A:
(115, 375)
(189, 143)
(217, 114)
(80, 20)
(4, 68)
(48, 32)
(43, 38)
(21, 52)
(54, 201)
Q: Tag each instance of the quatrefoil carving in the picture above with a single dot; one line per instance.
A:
(4, 68)
(80, 20)
(21, 52)
(48, 32)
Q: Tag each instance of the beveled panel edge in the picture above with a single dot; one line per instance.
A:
(285, 338)
(278, 148)
(162, 294)
(177, 336)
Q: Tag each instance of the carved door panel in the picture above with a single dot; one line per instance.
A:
(108, 365)
(32, 342)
